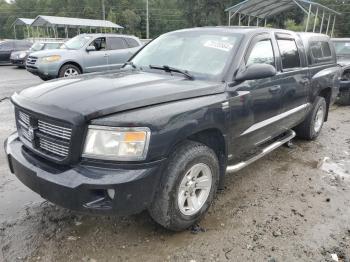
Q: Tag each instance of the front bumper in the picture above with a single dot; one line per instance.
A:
(85, 188)
(18, 62)
(344, 86)
(48, 71)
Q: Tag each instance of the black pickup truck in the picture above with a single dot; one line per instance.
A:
(162, 133)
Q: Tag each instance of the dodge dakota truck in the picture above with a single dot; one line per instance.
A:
(162, 133)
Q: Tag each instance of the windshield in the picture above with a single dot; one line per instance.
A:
(36, 47)
(76, 42)
(200, 53)
(342, 48)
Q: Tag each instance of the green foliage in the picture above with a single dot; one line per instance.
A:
(164, 15)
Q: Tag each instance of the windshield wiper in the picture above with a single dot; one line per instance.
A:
(170, 69)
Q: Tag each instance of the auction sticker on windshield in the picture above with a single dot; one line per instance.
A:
(224, 46)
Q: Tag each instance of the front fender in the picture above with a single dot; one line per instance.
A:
(173, 122)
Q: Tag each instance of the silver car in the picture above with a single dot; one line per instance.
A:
(84, 53)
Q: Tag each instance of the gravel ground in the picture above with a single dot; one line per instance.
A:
(293, 205)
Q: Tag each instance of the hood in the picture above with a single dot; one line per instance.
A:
(50, 52)
(343, 60)
(91, 96)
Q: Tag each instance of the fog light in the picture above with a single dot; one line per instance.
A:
(111, 193)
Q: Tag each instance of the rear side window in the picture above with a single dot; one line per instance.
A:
(131, 42)
(289, 53)
(116, 43)
(262, 53)
(6, 45)
(320, 51)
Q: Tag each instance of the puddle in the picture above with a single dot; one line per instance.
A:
(340, 168)
(15, 198)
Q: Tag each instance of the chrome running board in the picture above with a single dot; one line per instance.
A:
(286, 138)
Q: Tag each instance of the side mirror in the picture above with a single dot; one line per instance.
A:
(91, 48)
(256, 71)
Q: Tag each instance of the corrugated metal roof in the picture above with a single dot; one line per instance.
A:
(267, 8)
(71, 22)
(23, 21)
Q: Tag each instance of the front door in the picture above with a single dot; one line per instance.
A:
(96, 61)
(118, 52)
(263, 100)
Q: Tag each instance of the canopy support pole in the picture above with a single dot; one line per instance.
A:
(308, 18)
(239, 19)
(333, 25)
(322, 21)
(249, 20)
(265, 22)
(329, 21)
(229, 18)
(14, 30)
(315, 22)
(257, 21)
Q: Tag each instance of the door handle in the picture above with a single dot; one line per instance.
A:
(275, 89)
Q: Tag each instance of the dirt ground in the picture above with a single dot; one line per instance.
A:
(293, 205)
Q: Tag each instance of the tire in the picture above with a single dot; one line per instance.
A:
(165, 209)
(344, 98)
(69, 70)
(44, 78)
(311, 128)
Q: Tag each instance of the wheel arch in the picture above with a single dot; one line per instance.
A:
(213, 138)
(71, 63)
(326, 93)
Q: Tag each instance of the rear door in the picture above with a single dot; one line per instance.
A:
(6, 49)
(294, 78)
(96, 61)
(118, 52)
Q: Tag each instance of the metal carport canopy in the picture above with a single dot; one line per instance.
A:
(70, 22)
(267, 8)
(23, 21)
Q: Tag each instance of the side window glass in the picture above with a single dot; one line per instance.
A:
(116, 43)
(289, 53)
(326, 49)
(6, 46)
(262, 53)
(316, 49)
(99, 43)
(131, 42)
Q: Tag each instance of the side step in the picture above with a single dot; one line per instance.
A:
(286, 138)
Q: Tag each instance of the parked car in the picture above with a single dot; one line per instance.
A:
(342, 48)
(19, 58)
(84, 53)
(9, 46)
(163, 132)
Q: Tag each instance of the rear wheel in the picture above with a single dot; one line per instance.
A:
(187, 188)
(69, 70)
(311, 127)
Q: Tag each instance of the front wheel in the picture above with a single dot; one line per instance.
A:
(187, 188)
(311, 128)
(69, 70)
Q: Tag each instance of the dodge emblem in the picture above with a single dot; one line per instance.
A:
(31, 133)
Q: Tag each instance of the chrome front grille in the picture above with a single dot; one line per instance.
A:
(49, 138)
(31, 60)
(55, 130)
(54, 148)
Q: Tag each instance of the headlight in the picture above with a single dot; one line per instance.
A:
(117, 143)
(22, 55)
(49, 59)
